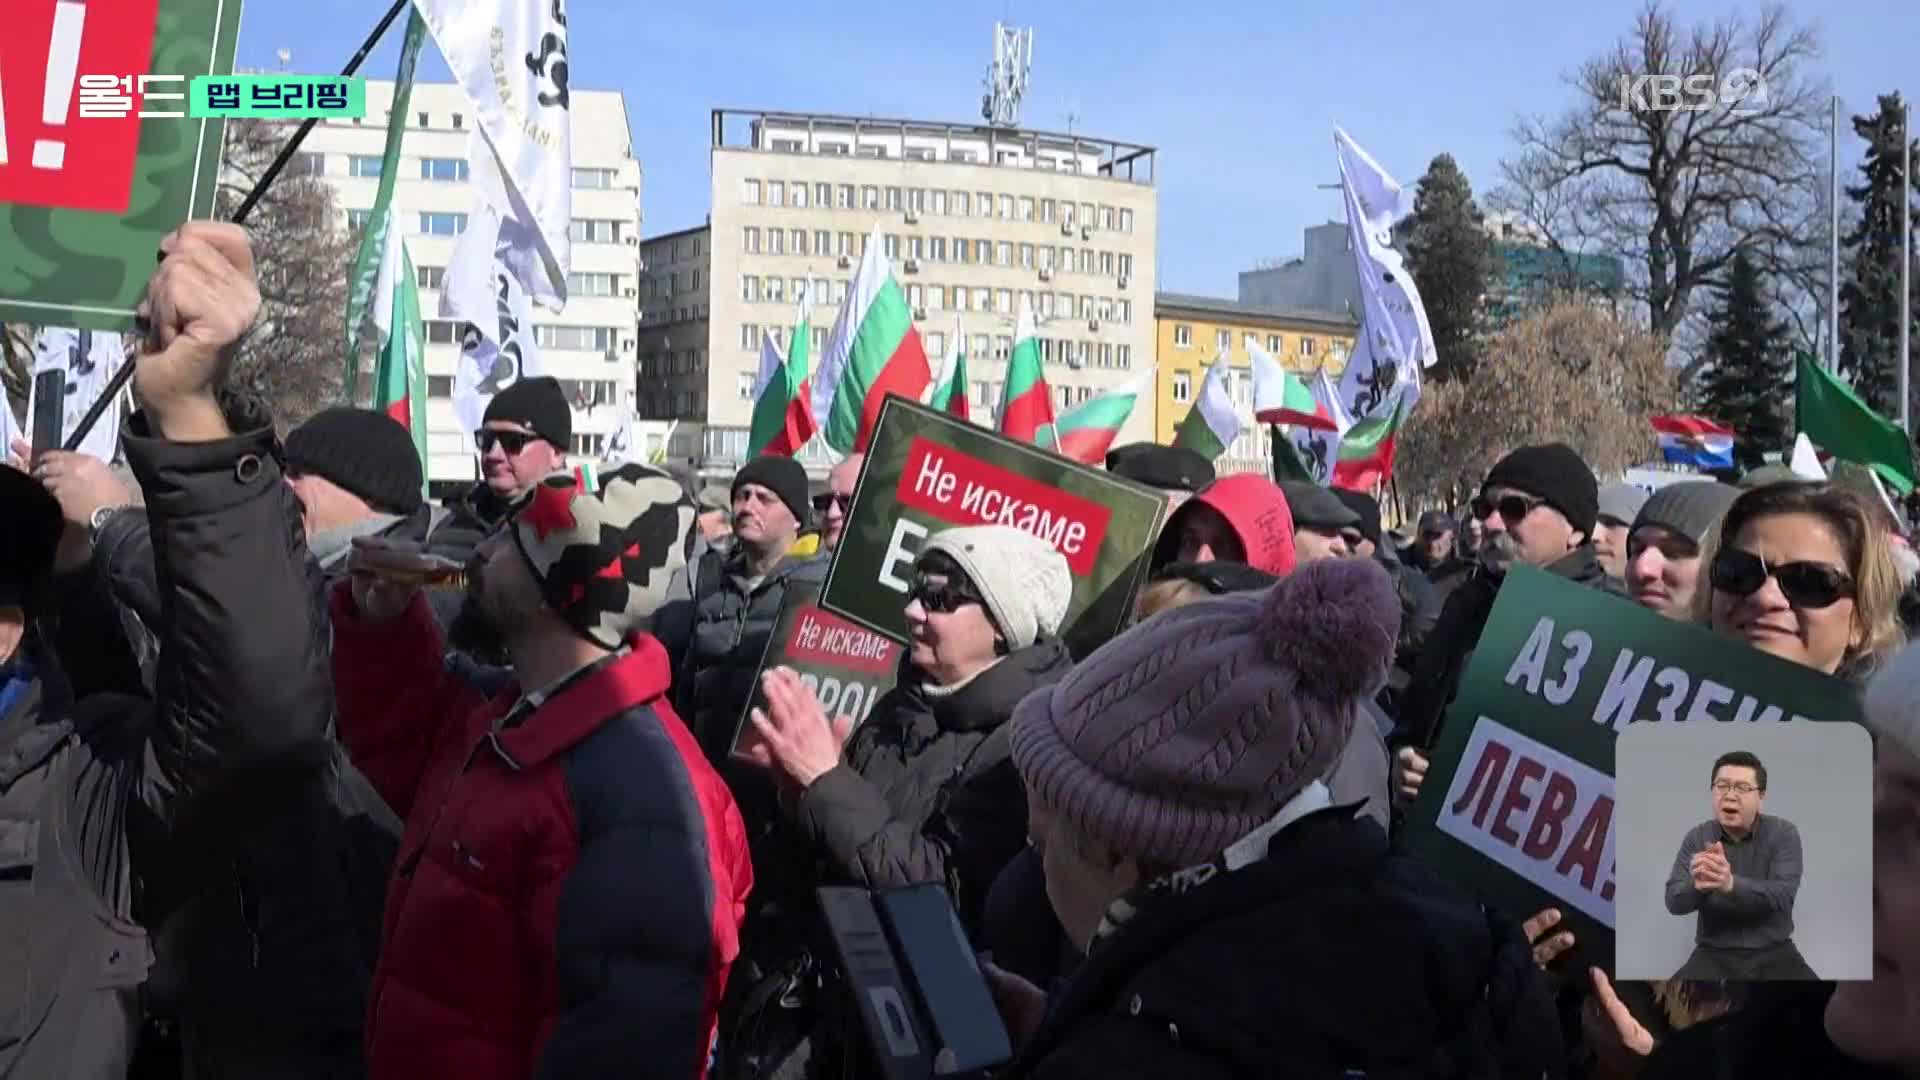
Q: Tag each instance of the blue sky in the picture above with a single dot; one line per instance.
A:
(1239, 96)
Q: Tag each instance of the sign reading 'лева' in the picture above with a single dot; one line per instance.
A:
(1518, 800)
(926, 471)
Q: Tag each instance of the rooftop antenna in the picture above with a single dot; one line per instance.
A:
(1007, 75)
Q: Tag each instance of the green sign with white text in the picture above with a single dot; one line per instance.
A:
(926, 471)
(1518, 800)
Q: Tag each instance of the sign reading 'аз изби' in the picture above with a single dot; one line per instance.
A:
(1519, 795)
(926, 471)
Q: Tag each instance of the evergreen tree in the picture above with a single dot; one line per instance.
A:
(1748, 375)
(1451, 258)
(1870, 301)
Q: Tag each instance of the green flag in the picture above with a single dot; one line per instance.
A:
(1828, 412)
(366, 265)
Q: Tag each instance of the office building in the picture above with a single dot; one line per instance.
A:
(1191, 331)
(973, 218)
(590, 346)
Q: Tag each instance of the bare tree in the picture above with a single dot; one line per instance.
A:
(1572, 372)
(1676, 176)
(293, 359)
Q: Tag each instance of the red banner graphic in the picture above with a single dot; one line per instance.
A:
(963, 490)
(823, 638)
(63, 145)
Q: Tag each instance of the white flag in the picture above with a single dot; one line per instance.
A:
(88, 358)
(1395, 343)
(620, 442)
(510, 56)
(1320, 449)
(482, 294)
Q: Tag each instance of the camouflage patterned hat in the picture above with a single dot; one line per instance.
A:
(603, 545)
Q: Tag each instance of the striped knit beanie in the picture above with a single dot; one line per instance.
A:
(1181, 736)
(603, 545)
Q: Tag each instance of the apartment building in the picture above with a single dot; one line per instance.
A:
(973, 218)
(590, 346)
(1190, 331)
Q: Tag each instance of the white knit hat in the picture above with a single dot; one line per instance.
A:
(1025, 583)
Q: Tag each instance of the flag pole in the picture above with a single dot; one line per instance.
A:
(1906, 266)
(124, 375)
(1833, 230)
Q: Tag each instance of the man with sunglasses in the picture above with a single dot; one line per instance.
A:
(523, 437)
(1419, 603)
(1739, 871)
(830, 506)
(1539, 505)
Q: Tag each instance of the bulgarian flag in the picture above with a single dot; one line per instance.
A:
(782, 400)
(1211, 425)
(371, 259)
(950, 393)
(1366, 450)
(1086, 433)
(1026, 401)
(1281, 397)
(873, 351)
(400, 371)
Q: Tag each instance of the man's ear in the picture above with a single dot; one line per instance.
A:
(13, 630)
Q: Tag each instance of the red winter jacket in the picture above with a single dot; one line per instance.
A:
(570, 887)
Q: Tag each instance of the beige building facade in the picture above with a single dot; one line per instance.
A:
(973, 219)
(590, 346)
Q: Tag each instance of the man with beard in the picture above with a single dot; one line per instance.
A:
(570, 886)
(1539, 505)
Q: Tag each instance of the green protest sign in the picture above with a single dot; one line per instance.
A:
(99, 159)
(845, 666)
(1518, 799)
(926, 471)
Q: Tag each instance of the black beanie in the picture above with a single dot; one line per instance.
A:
(28, 542)
(1556, 474)
(781, 475)
(361, 451)
(1363, 504)
(540, 404)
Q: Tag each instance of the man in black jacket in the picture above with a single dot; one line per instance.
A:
(1539, 505)
(114, 810)
(1419, 602)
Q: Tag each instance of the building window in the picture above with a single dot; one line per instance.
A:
(1003, 301)
(786, 146)
(582, 338)
(1026, 208)
(750, 288)
(776, 290)
(743, 381)
(1124, 309)
(459, 121)
(598, 179)
(821, 291)
(1026, 256)
(918, 153)
(776, 193)
(1126, 220)
(916, 296)
(443, 224)
(1046, 211)
(917, 200)
(363, 165)
(937, 248)
(442, 332)
(750, 192)
(823, 195)
(843, 197)
(1306, 346)
(1222, 341)
(1106, 218)
(424, 122)
(937, 297)
(893, 198)
(916, 248)
(984, 200)
(962, 204)
(357, 219)
(1126, 266)
(1002, 347)
(1273, 344)
(869, 197)
(1006, 208)
(799, 196)
(443, 169)
(439, 386)
(837, 149)
(308, 163)
(750, 240)
(940, 202)
(749, 337)
(1182, 387)
(594, 231)
(591, 284)
(429, 277)
(1003, 254)
(1066, 213)
(798, 240)
(891, 244)
(1182, 336)
(983, 300)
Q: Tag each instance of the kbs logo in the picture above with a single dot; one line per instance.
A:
(1742, 92)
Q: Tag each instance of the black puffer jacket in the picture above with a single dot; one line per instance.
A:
(928, 792)
(1329, 957)
(265, 971)
(1450, 645)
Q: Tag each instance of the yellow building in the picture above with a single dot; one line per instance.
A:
(1189, 331)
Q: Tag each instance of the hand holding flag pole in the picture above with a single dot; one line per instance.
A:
(118, 383)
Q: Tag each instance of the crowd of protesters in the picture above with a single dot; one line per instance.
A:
(304, 776)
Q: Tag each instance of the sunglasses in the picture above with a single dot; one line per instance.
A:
(1807, 585)
(822, 503)
(942, 599)
(1509, 507)
(511, 441)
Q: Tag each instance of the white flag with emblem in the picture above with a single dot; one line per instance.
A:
(88, 358)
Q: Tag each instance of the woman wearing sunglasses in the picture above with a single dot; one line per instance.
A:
(1801, 572)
